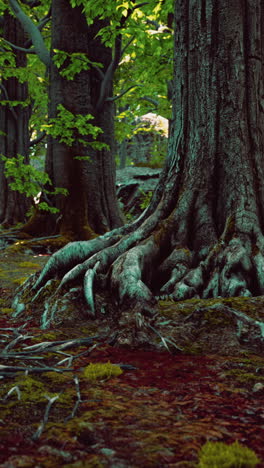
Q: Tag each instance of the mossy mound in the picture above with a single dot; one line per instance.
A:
(220, 455)
(101, 371)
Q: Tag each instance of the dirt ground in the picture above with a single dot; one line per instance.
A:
(158, 412)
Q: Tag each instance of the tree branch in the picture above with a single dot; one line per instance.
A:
(117, 57)
(152, 101)
(33, 31)
(110, 72)
(40, 26)
(114, 98)
(22, 49)
(126, 46)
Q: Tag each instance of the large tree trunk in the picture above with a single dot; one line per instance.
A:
(14, 136)
(202, 234)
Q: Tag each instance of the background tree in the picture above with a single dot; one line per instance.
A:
(121, 27)
(201, 235)
(71, 149)
(15, 110)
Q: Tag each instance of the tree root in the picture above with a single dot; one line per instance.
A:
(228, 270)
(139, 268)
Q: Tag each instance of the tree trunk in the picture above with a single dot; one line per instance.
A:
(14, 138)
(202, 234)
(91, 206)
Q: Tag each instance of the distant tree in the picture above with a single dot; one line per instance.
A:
(76, 162)
(202, 234)
(15, 111)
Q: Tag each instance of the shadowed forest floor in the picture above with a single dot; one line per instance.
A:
(157, 413)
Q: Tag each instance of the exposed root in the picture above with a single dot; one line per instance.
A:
(134, 268)
(88, 288)
(72, 254)
(227, 271)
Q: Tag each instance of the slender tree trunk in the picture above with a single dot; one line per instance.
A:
(202, 234)
(14, 137)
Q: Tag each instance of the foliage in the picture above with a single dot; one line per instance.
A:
(220, 455)
(144, 69)
(70, 128)
(145, 199)
(26, 179)
(75, 63)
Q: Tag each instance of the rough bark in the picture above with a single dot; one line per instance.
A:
(103, 205)
(202, 234)
(14, 124)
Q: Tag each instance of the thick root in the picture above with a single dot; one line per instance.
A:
(227, 271)
(131, 276)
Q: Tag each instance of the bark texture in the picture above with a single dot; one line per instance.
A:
(14, 124)
(202, 234)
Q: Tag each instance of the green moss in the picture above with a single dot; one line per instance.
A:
(20, 280)
(101, 371)
(28, 265)
(251, 306)
(30, 388)
(220, 455)
(92, 461)
(58, 377)
(33, 390)
(242, 376)
(7, 310)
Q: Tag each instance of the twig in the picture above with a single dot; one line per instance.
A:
(19, 355)
(40, 429)
(114, 98)
(78, 401)
(165, 340)
(12, 390)
(71, 358)
(21, 49)
(13, 343)
(7, 369)
(59, 345)
(38, 139)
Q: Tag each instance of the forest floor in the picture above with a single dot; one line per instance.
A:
(158, 412)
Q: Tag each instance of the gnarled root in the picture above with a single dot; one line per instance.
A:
(136, 266)
(229, 270)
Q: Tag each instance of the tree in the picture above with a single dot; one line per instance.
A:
(201, 235)
(77, 161)
(15, 110)
(86, 168)
(86, 70)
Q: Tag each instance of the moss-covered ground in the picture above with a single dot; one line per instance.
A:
(159, 412)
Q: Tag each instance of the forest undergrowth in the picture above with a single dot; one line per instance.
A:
(154, 407)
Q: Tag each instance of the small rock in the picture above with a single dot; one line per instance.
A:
(108, 452)
(258, 387)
